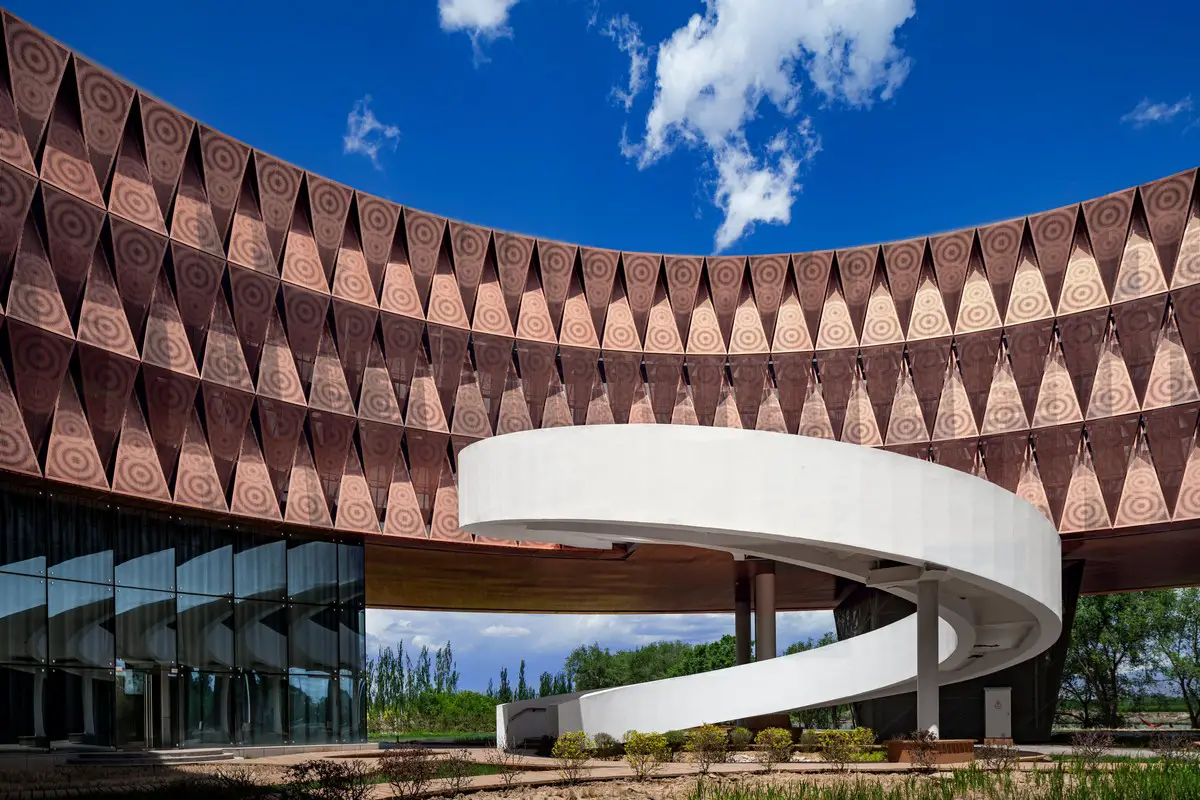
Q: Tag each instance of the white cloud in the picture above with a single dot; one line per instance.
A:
(713, 74)
(628, 36)
(507, 631)
(1146, 113)
(365, 134)
(482, 20)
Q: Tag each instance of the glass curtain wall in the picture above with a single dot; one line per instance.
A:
(126, 628)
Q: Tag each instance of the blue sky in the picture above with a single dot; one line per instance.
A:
(674, 126)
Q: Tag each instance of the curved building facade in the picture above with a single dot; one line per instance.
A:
(194, 331)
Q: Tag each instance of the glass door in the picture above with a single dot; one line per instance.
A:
(135, 711)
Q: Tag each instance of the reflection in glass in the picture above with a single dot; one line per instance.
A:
(22, 619)
(134, 696)
(313, 637)
(352, 704)
(260, 709)
(352, 627)
(145, 627)
(351, 575)
(205, 558)
(312, 571)
(207, 700)
(23, 543)
(143, 552)
(79, 708)
(313, 707)
(261, 635)
(80, 541)
(81, 624)
(21, 691)
(205, 630)
(259, 568)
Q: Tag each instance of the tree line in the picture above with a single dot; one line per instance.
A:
(1127, 653)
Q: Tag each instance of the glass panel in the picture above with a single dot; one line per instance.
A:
(81, 624)
(260, 708)
(23, 545)
(80, 541)
(261, 635)
(313, 637)
(205, 631)
(352, 700)
(79, 708)
(312, 572)
(145, 627)
(259, 568)
(205, 561)
(21, 692)
(134, 697)
(352, 627)
(351, 575)
(207, 700)
(22, 619)
(313, 707)
(144, 553)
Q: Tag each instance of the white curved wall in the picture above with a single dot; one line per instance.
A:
(826, 505)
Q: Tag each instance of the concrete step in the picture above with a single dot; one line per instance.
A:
(139, 758)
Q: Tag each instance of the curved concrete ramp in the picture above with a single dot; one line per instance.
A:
(866, 515)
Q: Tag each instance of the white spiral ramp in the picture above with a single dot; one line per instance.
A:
(839, 508)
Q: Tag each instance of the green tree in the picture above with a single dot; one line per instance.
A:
(545, 684)
(707, 657)
(524, 692)
(504, 695)
(1176, 644)
(1109, 647)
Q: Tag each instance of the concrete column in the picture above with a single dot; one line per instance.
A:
(741, 613)
(764, 611)
(927, 655)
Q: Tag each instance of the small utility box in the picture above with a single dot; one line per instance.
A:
(997, 712)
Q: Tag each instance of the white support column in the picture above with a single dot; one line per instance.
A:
(764, 612)
(927, 654)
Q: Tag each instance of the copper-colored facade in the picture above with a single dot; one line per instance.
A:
(188, 321)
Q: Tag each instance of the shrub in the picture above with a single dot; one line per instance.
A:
(1088, 747)
(509, 763)
(456, 769)
(571, 752)
(708, 745)
(839, 747)
(608, 746)
(922, 753)
(740, 738)
(774, 745)
(997, 757)
(1173, 748)
(646, 753)
(408, 770)
(327, 779)
(676, 740)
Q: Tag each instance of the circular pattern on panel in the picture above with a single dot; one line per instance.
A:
(724, 275)
(356, 509)
(1187, 505)
(405, 519)
(882, 324)
(766, 273)
(1028, 300)
(279, 184)
(355, 285)
(13, 451)
(1006, 416)
(513, 250)
(975, 310)
(951, 249)
(36, 305)
(492, 318)
(169, 131)
(997, 240)
(927, 316)
(1143, 501)
(836, 330)
(1082, 295)
(72, 221)
(222, 155)
(903, 261)
(468, 241)
(378, 402)
(857, 431)
(1166, 206)
(309, 506)
(135, 475)
(749, 339)
(599, 267)
(356, 324)
(73, 455)
(250, 250)
(31, 53)
(640, 272)
(790, 328)
(15, 195)
(102, 93)
(131, 200)
(168, 351)
(705, 339)
(280, 382)
(556, 262)
(579, 332)
(254, 499)
(446, 308)
(329, 394)
(907, 429)
(195, 276)
(470, 421)
(302, 263)
(1112, 397)
(425, 232)
(254, 293)
(326, 198)
(954, 422)
(1083, 516)
(424, 415)
(443, 527)
(105, 327)
(64, 164)
(13, 148)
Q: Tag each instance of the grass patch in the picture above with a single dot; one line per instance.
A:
(441, 736)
